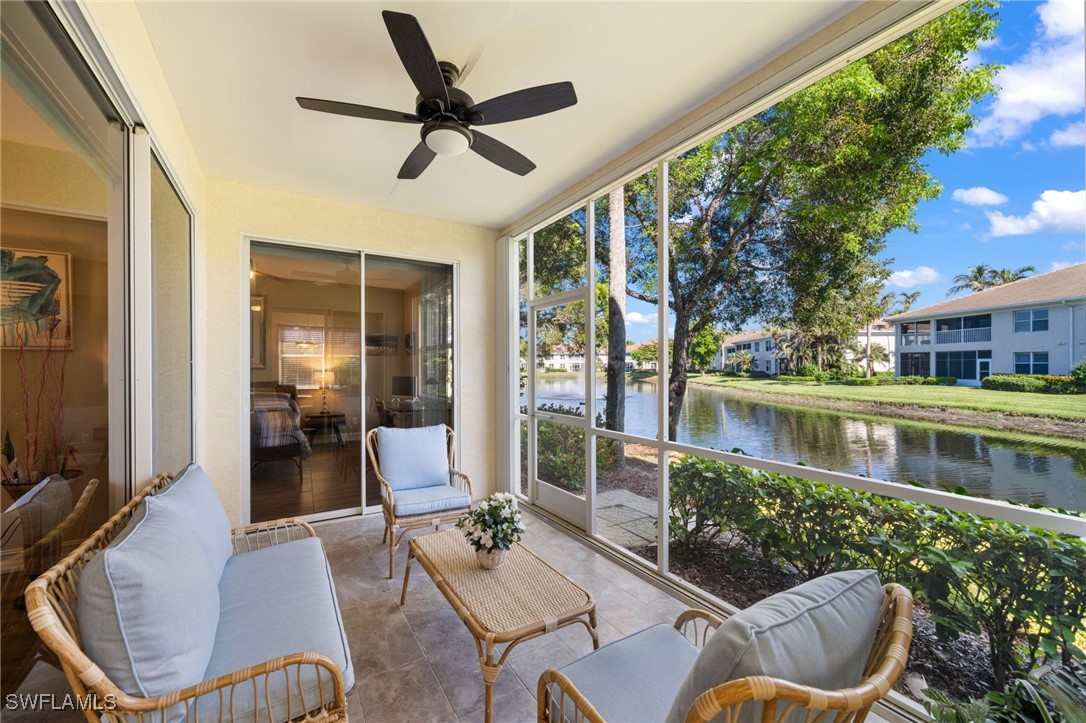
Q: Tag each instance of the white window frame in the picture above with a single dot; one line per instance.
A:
(1032, 321)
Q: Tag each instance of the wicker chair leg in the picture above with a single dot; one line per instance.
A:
(391, 551)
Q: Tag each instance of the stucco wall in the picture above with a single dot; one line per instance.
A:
(236, 211)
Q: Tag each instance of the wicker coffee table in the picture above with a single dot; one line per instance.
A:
(521, 600)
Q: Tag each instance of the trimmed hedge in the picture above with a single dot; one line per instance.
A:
(1021, 586)
(1009, 383)
(794, 378)
(862, 382)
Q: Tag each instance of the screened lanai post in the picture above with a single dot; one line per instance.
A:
(615, 411)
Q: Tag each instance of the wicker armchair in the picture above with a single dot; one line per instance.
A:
(763, 698)
(51, 605)
(397, 524)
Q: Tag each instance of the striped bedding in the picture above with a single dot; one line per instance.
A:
(275, 421)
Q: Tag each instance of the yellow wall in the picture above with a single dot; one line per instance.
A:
(237, 210)
(225, 211)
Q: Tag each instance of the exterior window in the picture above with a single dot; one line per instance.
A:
(915, 365)
(916, 332)
(301, 350)
(1031, 362)
(757, 346)
(1031, 320)
(948, 324)
(957, 364)
(981, 321)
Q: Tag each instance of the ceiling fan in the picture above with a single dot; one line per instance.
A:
(346, 275)
(447, 113)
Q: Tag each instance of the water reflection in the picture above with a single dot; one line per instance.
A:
(899, 451)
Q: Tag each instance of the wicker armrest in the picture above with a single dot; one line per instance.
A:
(556, 693)
(460, 480)
(697, 625)
(233, 688)
(266, 534)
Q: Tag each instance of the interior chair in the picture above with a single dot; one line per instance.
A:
(823, 651)
(419, 486)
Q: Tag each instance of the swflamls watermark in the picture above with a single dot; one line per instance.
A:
(54, 702)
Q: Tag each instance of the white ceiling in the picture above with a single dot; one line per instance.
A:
(235, 69)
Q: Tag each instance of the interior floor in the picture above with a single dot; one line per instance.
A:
(330, 481)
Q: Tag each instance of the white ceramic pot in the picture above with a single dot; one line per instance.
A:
(490, 560)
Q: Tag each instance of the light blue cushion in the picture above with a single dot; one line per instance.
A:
(411, 458)
(635, 678)
(817, 634)
(148, 606)
(424, 500)
(277, 601)
(198, 502)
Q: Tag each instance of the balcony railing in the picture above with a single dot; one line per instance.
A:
(958, 336)
(982, 334)
(916, 339)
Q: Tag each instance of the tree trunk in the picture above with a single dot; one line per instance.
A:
(680, 365)
(869, 349)
(615, 408)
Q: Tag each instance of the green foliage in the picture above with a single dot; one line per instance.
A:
(795, 378)
(494, 524)
(742, 361)
(561, 449)
(1054, 696)
(944, 709)
(807, 370)
(821, 377)
(1078, 377)
(704, 347)
(940, 381)
(1021, 587)
(1008, 383)
(862, 382)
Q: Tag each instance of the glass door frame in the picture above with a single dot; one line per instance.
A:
(245, 376)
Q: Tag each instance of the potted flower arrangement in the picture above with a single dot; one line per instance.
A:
(492, 528)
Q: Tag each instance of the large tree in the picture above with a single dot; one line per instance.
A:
(785, 210)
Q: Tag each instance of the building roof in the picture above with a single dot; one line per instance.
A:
(745, 337)
(1062, 285)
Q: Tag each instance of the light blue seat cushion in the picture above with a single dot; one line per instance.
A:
(277, 601)
(635, 678)
(425, 500)
(817, 634)
(196, 498)
(412, 458)
(148, 605)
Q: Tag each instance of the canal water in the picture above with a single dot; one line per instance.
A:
(985, 464)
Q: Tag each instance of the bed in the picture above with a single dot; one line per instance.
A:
(275, 430)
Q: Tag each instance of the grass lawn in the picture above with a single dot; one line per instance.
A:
(1067, 406)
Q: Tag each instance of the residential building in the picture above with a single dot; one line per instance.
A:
(568, 359)
(763, 347)
(1033, 326)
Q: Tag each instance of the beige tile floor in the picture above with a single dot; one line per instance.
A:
(417, 663)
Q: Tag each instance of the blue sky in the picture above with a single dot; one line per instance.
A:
(1016, 194)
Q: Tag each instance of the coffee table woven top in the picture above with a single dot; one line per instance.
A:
(523, 591)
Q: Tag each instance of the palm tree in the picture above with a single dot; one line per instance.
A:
(998, 277)
(907, 300)
(977, 278)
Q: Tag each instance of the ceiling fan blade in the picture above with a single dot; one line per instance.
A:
(525, 103)
(417, 57)
(417, 162)
(498, 153)
(357, 111)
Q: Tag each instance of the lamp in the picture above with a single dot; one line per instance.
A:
(447, 138)
(325, 380)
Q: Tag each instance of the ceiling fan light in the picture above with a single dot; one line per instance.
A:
(448, 139)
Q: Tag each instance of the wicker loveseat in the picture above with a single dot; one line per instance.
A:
(822, 651)
(165, 614)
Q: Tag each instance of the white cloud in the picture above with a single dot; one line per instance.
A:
(909, 278)
(1072, 135)
(978, 196)
(1075, 246)
(1047, 80)
(636, 317)
(1057, 265)
(1060, 211)
(1062, 18)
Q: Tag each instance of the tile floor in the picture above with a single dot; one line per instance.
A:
(417, 663)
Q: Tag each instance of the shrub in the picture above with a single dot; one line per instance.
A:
(940, 381)
(807, 370)
(909, 380)
(862, 382)
(1008, 383)
(821, 377)
(1021, 587)
(561, 449)
(1078, 378)
(794, 378)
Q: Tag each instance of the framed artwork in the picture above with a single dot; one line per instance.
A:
(36, 299)
(258, 332)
